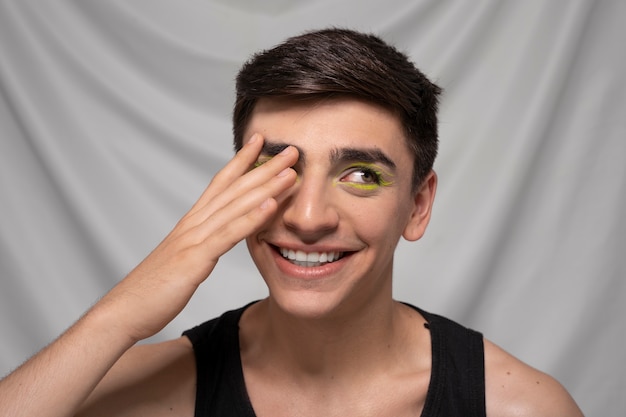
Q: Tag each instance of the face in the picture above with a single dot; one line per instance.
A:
(329, 248)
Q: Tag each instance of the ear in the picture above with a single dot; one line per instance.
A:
(422, 208)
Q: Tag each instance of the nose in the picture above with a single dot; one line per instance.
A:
(309, 210)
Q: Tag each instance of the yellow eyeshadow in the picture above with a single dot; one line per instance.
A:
(262, 160)
(381, 177)
(364, 187)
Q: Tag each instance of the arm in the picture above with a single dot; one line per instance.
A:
(149, 379)
(514, 389)
(57, 380)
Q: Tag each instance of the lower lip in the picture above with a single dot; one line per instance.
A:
(307, 273)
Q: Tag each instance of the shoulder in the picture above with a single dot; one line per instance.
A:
(148, 379)
(513, 388)
(222, 327)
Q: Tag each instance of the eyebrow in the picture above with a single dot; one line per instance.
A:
(274, 148)
(369, 155)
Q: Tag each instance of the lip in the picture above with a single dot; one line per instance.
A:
(312, 272)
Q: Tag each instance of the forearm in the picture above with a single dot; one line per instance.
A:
(59, 378)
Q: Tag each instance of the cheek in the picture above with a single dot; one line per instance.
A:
(379, 221)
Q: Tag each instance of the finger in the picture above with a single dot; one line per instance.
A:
(252, 180)
(235, 168)
(235, 231)
(237, 177)
(241, 217)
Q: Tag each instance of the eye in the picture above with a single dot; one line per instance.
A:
(362, 175)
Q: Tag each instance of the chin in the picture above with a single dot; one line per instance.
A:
(303, 304)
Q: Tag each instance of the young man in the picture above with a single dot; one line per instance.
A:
(336, 134)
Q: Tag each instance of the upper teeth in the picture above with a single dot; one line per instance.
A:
(311, 258)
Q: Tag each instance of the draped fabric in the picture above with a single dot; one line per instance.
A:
(114, 115)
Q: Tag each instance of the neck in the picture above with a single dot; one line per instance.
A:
(343, 345)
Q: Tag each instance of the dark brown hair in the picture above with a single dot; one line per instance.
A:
(340, 62)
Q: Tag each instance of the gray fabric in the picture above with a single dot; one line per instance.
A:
(114, 115)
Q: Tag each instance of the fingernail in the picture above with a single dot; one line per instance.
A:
(286, 151)
(254, 138)
(284, 172)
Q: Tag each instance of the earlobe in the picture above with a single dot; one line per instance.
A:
(422, 208)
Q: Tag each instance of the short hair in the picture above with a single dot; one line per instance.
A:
(337, 62)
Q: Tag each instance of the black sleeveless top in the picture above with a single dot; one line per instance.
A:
(457, 380)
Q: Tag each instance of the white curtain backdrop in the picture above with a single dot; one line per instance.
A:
(114, 115)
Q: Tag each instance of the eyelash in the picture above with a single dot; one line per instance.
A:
(377, 176)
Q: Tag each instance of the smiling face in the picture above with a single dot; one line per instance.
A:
(329, 248)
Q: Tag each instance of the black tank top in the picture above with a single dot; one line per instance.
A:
(457, 381)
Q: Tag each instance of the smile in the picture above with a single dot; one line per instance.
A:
(310, 259)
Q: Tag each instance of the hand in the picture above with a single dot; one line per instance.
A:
(236, 203)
